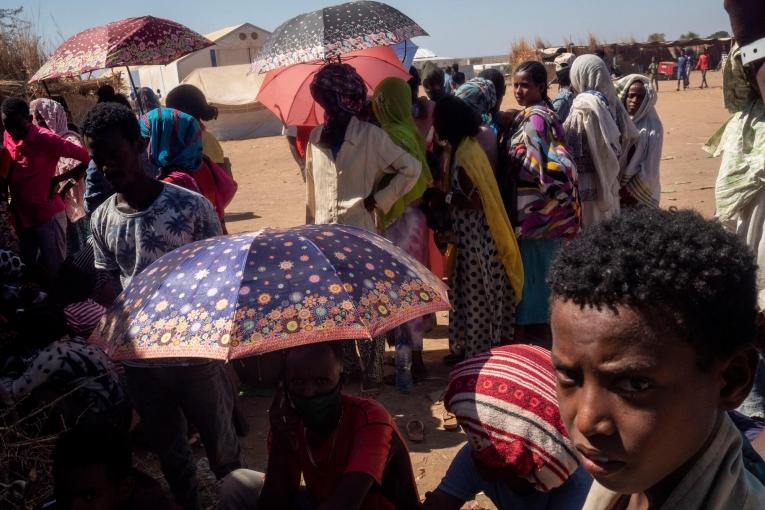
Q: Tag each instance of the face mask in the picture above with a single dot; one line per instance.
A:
(317, 410)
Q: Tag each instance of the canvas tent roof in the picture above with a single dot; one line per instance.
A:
(227, 85)
(223, 32)
(233, 90)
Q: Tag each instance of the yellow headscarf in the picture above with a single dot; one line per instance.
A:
(392, 105)
(472, 158)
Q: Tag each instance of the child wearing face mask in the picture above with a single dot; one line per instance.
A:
(347, 449)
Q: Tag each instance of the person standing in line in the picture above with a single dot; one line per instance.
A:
(142, 221)
(740, 186)
(548, 210)
(565, 97)
(683, 63)
(488, 275)
(346, 161)
(40, 215)
(640, 180)
(600, 134)
(448, 78)
(653, 73)
(189, 99)
(51, 115)
(703, 66)
(405, 224)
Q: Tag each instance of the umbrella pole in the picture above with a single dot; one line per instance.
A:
(45, 86)
(132, 84)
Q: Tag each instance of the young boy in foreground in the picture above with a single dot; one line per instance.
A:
(653, 320)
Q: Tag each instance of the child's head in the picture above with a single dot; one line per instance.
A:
(653, 319)
(113, 138)
(530, 83)
(16, 117)
(92, 469)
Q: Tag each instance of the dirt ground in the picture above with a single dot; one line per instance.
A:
(271, 194)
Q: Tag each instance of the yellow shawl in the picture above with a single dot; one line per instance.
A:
(472, 158)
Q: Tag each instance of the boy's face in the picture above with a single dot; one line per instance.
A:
(17, 125)
(634, 399)
(118, 158)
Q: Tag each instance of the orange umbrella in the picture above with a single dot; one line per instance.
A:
(286, 91)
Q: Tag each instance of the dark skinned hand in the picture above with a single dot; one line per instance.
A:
(370, 203)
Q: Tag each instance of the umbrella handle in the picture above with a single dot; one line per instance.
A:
(137, 97)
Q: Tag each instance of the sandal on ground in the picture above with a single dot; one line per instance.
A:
(450, 421)
(415, 431)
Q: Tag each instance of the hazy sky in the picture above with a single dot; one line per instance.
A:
(457, 28)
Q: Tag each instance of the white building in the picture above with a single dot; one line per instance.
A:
(233, 46)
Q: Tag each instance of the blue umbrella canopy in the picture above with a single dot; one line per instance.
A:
(247, 294)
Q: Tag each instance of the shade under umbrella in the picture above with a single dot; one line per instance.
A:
(133, 41)
(246, 294)
(286, 91)
(330, 32)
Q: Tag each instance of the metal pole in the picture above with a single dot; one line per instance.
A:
(135, 91)
(45, 86)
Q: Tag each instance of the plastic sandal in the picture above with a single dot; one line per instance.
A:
(415, 431)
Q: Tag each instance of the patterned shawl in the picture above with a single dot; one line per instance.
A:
(481, 96)
(548, 200)
(505, 400)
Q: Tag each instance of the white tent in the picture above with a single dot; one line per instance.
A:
(424, 54)
(233, 90)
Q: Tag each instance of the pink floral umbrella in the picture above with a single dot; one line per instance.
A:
(133, 41)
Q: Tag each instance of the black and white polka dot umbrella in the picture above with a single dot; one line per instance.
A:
(332, 31)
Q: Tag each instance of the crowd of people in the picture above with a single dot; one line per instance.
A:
(604, 350)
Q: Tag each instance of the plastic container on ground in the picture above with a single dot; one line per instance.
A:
(404, 368)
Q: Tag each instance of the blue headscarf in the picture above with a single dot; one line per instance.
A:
(175, 139)
(481, 96)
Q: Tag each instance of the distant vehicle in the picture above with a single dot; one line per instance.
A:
(667, 70)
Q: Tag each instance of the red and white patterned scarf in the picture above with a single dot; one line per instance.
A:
(506, 403)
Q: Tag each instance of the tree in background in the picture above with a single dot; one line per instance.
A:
(722, 34)
(22, 50)
(657, 37)
(689, 35)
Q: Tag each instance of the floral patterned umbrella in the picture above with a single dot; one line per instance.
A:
(332, 31)
(240, 295)
(133, 41)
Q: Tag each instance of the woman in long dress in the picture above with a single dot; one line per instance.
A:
(488, 276)
(640, 181)
(547, 208)
(405, 224)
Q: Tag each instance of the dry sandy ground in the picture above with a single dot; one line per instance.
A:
(271, 194)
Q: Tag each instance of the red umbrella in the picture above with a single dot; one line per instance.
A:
(133, 41)
(286, 91)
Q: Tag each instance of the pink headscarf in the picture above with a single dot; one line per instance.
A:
(54, 115)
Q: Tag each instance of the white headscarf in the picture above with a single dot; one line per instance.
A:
(641, 176)
(589, 73)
